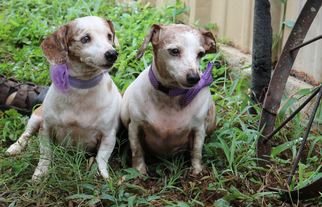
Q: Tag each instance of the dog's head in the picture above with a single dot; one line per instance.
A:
(85, 41)
(177, 52)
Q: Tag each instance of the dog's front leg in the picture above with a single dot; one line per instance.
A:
(196, 154)
(45, 153)
(33, 126)
(104, 152)
(137, 151)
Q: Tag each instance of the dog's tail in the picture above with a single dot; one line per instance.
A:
(33, 126)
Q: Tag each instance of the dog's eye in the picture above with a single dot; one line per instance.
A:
(201, 54)
(174, 52)
(85, 39)
(109, 37)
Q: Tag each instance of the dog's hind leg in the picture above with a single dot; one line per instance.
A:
(138, 161)
(32, 127)
(196, 154)
(211, 120)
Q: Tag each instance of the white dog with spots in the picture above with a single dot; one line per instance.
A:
(83, 104)
(168, 108)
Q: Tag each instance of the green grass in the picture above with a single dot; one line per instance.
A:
(230, 178)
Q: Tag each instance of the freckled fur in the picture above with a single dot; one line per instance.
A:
(85, 117)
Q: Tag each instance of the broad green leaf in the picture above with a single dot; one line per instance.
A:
(287, 145)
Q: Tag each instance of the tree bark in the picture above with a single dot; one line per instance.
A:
(262, 50)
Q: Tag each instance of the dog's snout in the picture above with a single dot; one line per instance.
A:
(193, 78)
(111, 55)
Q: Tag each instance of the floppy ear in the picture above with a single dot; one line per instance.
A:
(210, 42)
(55, 46)
(115, 40)
(152, 36)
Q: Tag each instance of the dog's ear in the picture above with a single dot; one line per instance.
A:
(152, 36)
(209, 41)
(115, 40)
(55, 46)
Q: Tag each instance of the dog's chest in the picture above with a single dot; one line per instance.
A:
(167, 131)
(80, 127)
(78, 118)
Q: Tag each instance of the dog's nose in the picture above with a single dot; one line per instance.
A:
(193, 78)
(111, 55)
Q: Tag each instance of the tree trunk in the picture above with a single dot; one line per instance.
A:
(262, 51)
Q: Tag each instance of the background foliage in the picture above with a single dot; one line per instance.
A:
(230, 178)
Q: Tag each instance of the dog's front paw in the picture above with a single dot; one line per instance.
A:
(196, 170)
(141, 168)
(104, 174)
(14, 149)
(103, 169)
(35, 178)
(38, 174)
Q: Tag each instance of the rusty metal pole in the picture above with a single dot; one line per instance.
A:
(278, 81)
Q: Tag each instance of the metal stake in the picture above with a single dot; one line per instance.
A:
(309, 125)
(306, 43)
(268, 137)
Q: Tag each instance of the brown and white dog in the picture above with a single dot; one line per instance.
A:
(156, 120)
(85, 111)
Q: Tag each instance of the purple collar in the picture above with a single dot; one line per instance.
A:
(188, 94)
(62, 80)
